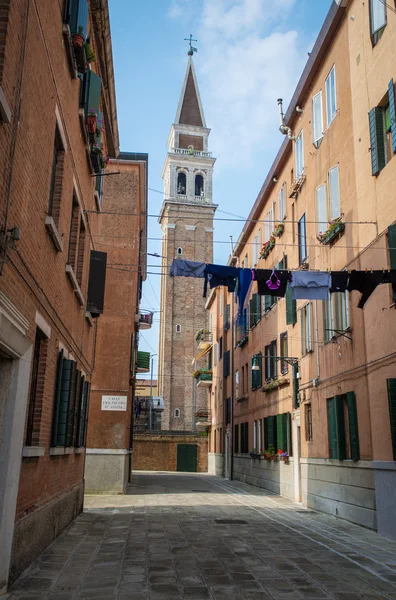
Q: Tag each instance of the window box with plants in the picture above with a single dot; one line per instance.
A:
(268, 247)
(275, 384)
(279, 229)
(242, 341)
(333, 233)
(203, 377)
(282, 456)
(98, 159)
(270, 453)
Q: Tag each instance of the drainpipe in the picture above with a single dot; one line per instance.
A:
(232, 391)
(194, 400)
(317, 341)
(284, 129)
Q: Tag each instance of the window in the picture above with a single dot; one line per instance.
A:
(269, 224)
(69, 424)
(244, 438)
(270, 432)
(283, 431)
(317, 118)
(255, 435)
(220, 348)
(283, 352)
(237, 383)
(377, 19)
(382, 123)
(259, 436)
(179, 251)
(336, 314)
(178, 328)
(308, 422)
(36, 389)
(302, 240)
(300, 155)
(334, 193)
(392, 412)
(226, 365)
(236, 439)
(321, 210)
(271, 364)
(55, 194)
(306, 342)
(254, 310)
(76, 242)
(331, 97)
(227, 318)
(199, 185)
(291, 308)
(181, 184)
(268, 302)
(177, 413)
(256, 375)
(282, 202)
(343, 427)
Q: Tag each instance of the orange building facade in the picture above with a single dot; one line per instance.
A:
(323, 384)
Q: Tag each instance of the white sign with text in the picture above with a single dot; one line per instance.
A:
(114, 402)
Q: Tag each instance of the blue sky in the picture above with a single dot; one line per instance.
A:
(250, 52)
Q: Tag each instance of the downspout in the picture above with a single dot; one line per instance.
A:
(317, 342)
(284, 129)
(232, 392)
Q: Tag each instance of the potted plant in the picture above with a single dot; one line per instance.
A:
(267, 247)
(91, 121)
(336, 228)
(89, 53)
(279, 229)
(283, 456)
(254, 454)
(78, 38)
(191, 150)
(269, 454)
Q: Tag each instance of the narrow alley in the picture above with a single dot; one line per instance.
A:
(199, 537)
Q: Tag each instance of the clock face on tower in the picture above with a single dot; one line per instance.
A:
(187, 234)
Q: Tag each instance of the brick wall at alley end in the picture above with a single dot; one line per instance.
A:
(159, 452)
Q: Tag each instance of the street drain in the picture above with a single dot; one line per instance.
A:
(201, 491)
(305, 512)
(230, 522)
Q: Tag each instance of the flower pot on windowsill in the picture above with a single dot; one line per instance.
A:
(91, 123)
(332, 234)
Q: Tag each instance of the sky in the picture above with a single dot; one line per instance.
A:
(250, 52)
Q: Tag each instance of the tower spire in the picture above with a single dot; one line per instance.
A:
(192, 49)
(189, 110)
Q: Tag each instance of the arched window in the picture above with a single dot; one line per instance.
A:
(178, 328)
(199, 185)
(181, 183)
(177, 412)
(179, 251)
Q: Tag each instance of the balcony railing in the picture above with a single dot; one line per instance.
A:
(204, 339)
(190, 152)
(143, 362)
(196, 199)
(145, 320)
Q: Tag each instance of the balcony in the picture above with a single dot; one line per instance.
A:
(143, 362)
(203, 418)
(203, 377)
(204, 339)
(191, 152)
(145, 320)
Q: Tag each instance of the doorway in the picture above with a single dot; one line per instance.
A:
(227, 465)
(187, 458)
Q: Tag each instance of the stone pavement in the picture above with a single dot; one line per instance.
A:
(198, 537)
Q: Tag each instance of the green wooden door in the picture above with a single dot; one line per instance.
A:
(187, 458)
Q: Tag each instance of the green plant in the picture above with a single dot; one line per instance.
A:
(89, 53)
(199, 372)
(80, 30)
(279, 229)
(270, 452)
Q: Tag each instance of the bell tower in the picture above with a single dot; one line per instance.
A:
(186, 220)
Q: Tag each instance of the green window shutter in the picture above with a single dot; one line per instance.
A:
(77, 409)
(71, 404)
(291, 308)
(287, 429)
(332, 426)
(392, 111)
(251, 314)
(377, 141)
(76, 13)
(280, 432)
(341, 444)
(57, 397)
(258, 308)
(265, 433)
(392, 412)
(93, 87)
(353, 426)
(296, 386)
(392, 246)
(259, 378)
(63, 411)
(271, 431)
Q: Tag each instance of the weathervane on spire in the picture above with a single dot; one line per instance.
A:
(192, 49)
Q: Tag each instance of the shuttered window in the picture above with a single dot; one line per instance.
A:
(377, 140)
(226, 364)
(353, 426)
(227, 321)
(392, 412)
(255, 312)
(291, 308)
(92, 87)
(96, 283)
(271, 364)
(283, 429)
(244, 438)
(256, 375)
(76, 15)
(338, 408)
(236, 439)
(70, 405)
(392, 113)
(270, 432)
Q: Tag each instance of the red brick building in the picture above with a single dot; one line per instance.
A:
(57, 124)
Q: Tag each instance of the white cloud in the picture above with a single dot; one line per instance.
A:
(248, 57)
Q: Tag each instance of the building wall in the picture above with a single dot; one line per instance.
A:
(41, 488)
(159, 452)
(361, 359)
(143, 387)
(110, 431)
